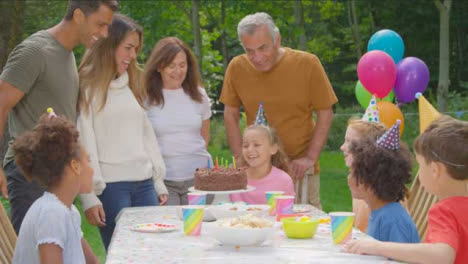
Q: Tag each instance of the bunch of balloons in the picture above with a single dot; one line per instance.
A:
(383, 72)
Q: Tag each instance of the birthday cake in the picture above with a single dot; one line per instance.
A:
(220, 179)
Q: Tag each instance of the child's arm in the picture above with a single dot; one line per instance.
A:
(88, 253)
(50, 253)
(408, 252)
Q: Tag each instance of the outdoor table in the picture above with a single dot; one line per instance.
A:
(128, 246)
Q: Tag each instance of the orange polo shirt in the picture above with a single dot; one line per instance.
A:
(290, 92)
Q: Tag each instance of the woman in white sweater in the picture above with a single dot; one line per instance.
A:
(179, 111)
(128, 167)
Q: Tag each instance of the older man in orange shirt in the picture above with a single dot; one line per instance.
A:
(292, 84)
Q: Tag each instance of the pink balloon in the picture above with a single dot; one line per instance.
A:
(377, 72)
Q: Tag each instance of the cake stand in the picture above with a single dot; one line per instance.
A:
(222, 196)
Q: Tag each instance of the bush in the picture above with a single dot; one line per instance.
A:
(457, 107)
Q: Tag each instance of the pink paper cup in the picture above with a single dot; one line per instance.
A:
(196, 198)
(270, 198)
(284, 204)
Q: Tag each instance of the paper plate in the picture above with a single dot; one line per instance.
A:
(153, 228)
(301, 208)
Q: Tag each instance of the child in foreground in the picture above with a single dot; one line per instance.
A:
(267, 165)
(442, 153)
(356, 130)
(379, 173)
(52, 155)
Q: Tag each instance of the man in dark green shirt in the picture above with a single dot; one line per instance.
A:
(40, 73)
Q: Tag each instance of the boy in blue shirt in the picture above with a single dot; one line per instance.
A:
(379, 174)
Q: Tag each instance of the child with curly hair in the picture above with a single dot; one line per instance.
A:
(442, 153)
(379, 174)
(52, 155)
(356, 130)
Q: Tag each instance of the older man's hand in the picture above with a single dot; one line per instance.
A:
(300, 166)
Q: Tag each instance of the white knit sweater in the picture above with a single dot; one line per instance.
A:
(121, 142)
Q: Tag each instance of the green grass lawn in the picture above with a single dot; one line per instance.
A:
(334, 192)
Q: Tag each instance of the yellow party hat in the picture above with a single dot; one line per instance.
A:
(427, 113)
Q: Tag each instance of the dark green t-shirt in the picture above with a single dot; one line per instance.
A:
(46, 72)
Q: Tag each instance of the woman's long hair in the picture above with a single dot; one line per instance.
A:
(162, 56)
(98, 67)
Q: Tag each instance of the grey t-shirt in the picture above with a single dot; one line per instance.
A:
(46, 72)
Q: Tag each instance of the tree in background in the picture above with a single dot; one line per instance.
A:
(336, 31)
(444, 56)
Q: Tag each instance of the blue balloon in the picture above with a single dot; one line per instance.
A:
(388, 41)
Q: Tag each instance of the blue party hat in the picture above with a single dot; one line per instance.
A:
(260, 119)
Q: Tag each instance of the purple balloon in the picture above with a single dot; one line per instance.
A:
(412, 77)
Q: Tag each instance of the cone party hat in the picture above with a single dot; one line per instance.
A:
(372, 114)
(391, 138)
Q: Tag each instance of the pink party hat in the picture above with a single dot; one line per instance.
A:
(391, 138)
(372, 114)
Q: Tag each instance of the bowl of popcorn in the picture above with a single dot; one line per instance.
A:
(300, 227)
(234, 210)
(246, 230)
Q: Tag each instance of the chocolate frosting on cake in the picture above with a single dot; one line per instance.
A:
(220, 179)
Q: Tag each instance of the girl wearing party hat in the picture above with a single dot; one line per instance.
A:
(366, 127)
(379, 174)
(442, 153)
(267, 165)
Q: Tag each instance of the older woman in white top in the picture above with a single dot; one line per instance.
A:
(179, 111)
(128, 167)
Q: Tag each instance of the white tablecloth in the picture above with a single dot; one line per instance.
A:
(128, 246)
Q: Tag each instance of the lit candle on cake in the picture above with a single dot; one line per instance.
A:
(233, 162)
(216, 163)
(208, 165)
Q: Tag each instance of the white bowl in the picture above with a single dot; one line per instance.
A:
(233, 210)
(207, 214)
(235, 236)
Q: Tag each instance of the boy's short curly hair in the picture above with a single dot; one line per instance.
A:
(384, 171)
(446, 141)
(43, 153)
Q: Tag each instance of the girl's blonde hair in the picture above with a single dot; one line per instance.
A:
(370, 129)
(279, 159)
(98, 67)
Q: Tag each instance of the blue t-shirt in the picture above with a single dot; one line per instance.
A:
(392, 223)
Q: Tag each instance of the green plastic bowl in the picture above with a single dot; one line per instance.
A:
(299, 229)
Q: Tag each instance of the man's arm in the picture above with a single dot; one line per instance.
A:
(318, 140)
(9, 97)
(320, 134)
(231, 122)
(407, 252)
